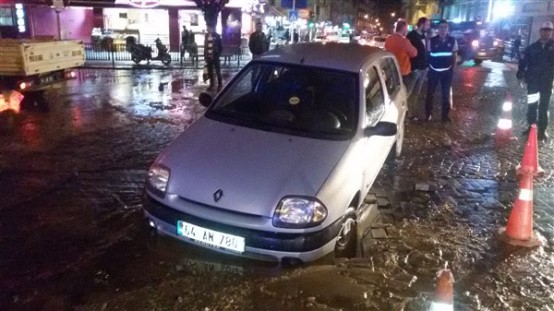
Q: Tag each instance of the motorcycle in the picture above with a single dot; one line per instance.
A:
(140, 52)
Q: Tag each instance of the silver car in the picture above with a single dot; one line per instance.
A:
(278, 166)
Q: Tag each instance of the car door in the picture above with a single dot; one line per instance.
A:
(396, 95)
(375, 99)
(395, 90)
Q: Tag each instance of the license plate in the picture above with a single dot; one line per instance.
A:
(211, 237)
(482, 54)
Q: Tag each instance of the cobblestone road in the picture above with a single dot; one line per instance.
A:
(72, 236)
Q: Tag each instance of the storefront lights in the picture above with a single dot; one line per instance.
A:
(20, 14)
(503, 9)
(144, 3)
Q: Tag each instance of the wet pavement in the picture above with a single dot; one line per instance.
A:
(72, 234)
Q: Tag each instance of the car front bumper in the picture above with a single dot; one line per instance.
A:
(261, 245)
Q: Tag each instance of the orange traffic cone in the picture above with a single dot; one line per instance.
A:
(504, 129)
(519, 230)
(443, 299)
(530, 162)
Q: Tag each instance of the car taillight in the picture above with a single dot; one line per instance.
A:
(475, 43)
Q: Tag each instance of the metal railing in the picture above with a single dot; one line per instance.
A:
(117, 52)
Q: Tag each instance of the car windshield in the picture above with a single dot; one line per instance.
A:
(296, 100)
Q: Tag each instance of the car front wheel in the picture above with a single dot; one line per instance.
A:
(347, 238)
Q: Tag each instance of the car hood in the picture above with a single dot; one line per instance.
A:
(254, 169)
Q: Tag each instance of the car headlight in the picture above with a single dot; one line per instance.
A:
(475, 43)
(299, 212)
(158, 176)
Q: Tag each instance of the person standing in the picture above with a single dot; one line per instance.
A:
(212, 50)
(537, 69)
(442, 61)
(401, 47)
(185, 35)
(419, 63)
(257, 42)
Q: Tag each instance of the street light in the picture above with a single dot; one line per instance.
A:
(393, 14)
(366, 16)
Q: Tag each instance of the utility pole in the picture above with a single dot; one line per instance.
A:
(58, 7)
(292, 23)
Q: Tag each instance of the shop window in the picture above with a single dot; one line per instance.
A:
(123, 15)
(6, 17)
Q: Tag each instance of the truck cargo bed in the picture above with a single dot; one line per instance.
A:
(32, 57)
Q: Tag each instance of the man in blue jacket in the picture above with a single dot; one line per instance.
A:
(537, 69)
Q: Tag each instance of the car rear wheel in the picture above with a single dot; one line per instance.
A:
(347, 238)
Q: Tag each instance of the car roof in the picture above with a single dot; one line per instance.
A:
(339, 56)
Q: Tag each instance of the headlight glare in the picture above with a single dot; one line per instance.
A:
(158, 176)
(298, 212)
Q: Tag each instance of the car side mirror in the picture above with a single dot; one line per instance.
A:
(205, 99)
(381, 129)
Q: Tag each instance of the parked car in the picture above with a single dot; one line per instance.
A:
(378, 41)
(278, 166)
(487, 47)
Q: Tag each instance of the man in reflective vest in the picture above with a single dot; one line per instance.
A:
(442, 60)
(537, 68)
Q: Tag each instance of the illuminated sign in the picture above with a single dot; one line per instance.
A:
(20, 13)
(181, 3)
(144, 3)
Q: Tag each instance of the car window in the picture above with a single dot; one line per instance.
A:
(375, 100)
(392, 79)
(295, 99)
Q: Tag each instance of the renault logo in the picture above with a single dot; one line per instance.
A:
(218, 195)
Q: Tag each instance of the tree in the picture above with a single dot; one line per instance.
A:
(211, 9)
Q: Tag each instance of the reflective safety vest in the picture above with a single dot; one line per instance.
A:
(440, 56)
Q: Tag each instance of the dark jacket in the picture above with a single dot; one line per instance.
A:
(441, 53)
(257, 43)
(217, 47)
(417, 39)
(537, 63)
(185, 35)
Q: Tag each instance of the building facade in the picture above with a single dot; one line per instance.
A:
(506, 18)
(92, 20)
(412, 10)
